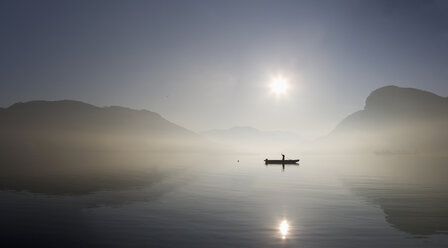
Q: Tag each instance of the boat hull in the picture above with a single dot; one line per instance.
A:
(267, 161)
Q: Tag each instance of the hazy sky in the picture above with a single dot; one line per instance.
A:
(207, 64)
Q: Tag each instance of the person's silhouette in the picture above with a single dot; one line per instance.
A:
(283, 162)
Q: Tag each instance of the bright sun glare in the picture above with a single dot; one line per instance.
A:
(284, 228)
(279, 85)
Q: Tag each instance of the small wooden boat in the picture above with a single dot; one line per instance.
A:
(288, 161)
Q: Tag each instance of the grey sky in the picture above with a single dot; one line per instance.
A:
(206, 64)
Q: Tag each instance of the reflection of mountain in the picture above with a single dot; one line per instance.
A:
(397, 120)
(69, 147)
(415, 210)
(248, 137)
(411, 191)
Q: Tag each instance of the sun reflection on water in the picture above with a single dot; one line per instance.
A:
(284, 228)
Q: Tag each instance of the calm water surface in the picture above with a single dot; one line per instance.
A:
(371, 201)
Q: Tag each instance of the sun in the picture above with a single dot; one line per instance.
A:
(279, 85)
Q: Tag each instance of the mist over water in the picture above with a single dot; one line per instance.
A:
(74, 175)
(194, 199)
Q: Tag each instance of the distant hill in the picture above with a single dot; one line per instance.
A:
(249, 138)
(396, 120)
(67, 123)
(70, 147)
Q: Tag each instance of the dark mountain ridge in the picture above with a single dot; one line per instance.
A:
(79, 116)
(396, 119)
(71, 122)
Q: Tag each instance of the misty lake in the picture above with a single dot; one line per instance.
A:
(209, 201)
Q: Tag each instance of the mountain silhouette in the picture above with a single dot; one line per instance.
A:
(251, 133)
(396, 119)
(70, 147)
(72, 122)
(78, 116)
(252, 139)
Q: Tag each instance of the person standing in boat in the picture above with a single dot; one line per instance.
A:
(283, 162)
